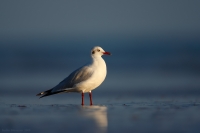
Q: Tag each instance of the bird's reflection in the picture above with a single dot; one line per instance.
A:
(98, 114)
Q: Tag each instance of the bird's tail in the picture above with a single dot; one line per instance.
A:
(49, 92)
(44, 93)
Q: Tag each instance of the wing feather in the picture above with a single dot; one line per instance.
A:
(79, 75)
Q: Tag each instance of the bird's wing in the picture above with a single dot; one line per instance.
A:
(74, 78)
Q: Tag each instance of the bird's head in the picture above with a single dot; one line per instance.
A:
(98, 51)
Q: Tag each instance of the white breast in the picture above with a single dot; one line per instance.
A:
(98, 76)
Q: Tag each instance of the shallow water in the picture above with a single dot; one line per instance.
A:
(152, 115)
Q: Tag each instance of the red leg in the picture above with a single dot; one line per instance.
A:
(90, 94)
(82, 98)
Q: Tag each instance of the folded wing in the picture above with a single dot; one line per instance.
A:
(79, 75)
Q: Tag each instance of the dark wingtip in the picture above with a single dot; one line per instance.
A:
(39, 94)
(48, 93)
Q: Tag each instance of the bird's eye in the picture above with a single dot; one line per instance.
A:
(93, 52)
(98, 50)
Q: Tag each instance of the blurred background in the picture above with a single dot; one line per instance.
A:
(155, 47)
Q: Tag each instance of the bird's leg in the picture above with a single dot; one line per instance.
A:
(90, 94)
(82, 98)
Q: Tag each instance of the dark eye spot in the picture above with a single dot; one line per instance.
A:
(98, 50)
(93, 52)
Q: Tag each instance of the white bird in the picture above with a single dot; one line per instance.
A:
(84, 79)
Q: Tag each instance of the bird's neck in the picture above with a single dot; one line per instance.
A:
(98, 60)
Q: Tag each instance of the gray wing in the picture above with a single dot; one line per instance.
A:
(75, 77)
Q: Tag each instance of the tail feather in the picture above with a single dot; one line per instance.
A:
(44, 92)
(41, 93)
(48, 93)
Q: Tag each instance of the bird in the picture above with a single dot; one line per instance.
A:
(84, 79)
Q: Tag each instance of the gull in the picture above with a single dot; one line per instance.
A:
(84, 79)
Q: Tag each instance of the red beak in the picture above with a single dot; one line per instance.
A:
(107, 53)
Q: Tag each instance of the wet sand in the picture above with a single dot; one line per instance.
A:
(152, 116)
